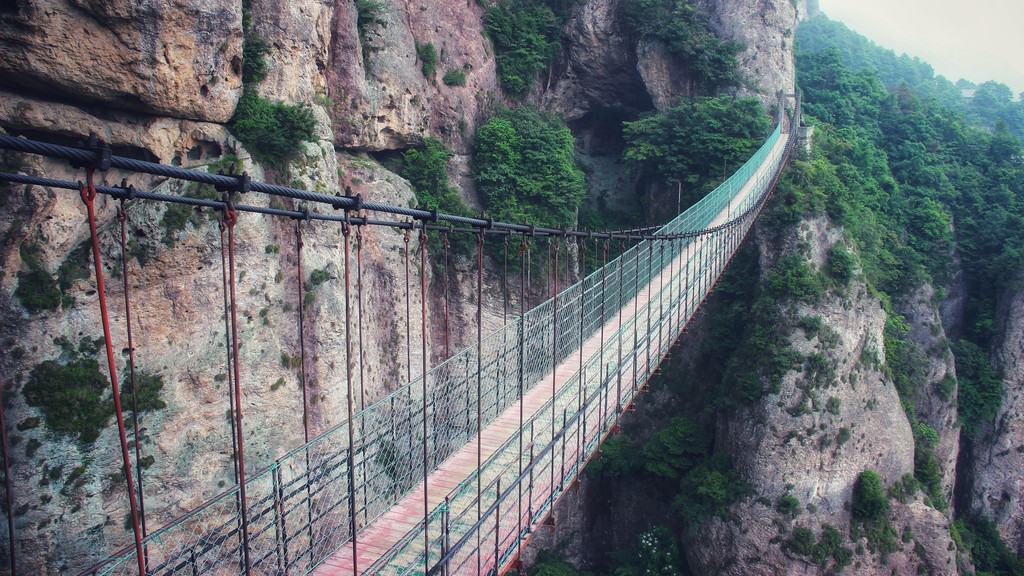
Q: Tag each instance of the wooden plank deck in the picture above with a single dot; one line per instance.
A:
(390, 528)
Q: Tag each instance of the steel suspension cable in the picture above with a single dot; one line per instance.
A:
(362, 357)
(230, 373)
(618, 368)
(359, 301)
(7, 486)
(88, 194)
(230, 219)
(650, 304)
(604, 320)
(302, 334)
(122, 217)
(504, 284)
(581, 388)
(554, 352)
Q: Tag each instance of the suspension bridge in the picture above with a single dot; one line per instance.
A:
(452, 472)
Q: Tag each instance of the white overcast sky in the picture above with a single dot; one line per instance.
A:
(974, 39)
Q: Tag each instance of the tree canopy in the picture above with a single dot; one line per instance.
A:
(525, 168)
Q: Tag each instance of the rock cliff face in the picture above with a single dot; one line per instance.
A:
(160, 81)
(812, 439)
(809, 442)
(175, 59)
(998, 480)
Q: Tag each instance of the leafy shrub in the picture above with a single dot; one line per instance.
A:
(869, 498)
(368, 13)
(455, 77)
(426, 170)
(801, 541)
(428, 58)
(272, 131)
(843, 436)
(526, 36)
(547, 564)
(656, 552)
(675, 450)
(319, 276)
(525, 168)
(685, 30)
(37, 291)
(254, 48)
(841, 264)
(788, 504)
(147, 392)
(981, 387)
(709, 489)
(72, 397)
(793, 279)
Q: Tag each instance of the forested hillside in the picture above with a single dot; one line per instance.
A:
(908, 191)
(982, 104)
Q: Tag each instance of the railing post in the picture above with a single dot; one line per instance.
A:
(561, 478)
(446, 524)
(529, 492)
(497, 527)
(279, 523)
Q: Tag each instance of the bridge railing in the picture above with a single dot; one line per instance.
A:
(557, 441)
(299, 508)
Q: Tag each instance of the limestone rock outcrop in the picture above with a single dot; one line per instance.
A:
(998, 468)
(180, 59)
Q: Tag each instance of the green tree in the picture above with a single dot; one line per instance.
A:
(675, 450)
(685, 30)
(527, 36)
(869, 499)
(525, 168)
(695, 142)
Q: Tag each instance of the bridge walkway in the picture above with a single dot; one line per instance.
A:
(392, 530)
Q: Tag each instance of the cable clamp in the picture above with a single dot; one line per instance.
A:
(101, 154)
(243, 182)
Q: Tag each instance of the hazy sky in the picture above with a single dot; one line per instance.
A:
(974, 39)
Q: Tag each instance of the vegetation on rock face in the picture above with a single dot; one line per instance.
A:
(272, 131)
(527, 35)
(990, 554)
(73, 398)
(368, 13)
(896, 190)
(896, 169)
(427, 171)
(869, 498)
(685, 30)
(656, 552)
(695, 143)
(427, 54)
(526, 170)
